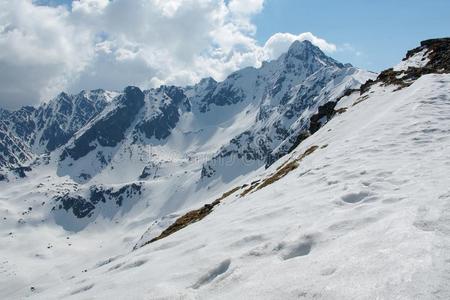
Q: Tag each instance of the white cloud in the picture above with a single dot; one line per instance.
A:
(280, 42)
(112, 44)
(89, 6)
(245, 7)
(40, 52)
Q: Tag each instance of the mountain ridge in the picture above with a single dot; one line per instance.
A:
(200, 139)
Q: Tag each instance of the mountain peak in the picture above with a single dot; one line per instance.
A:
(62, 95)
(307, 52)
(300, 47)
(208, 80)
(4, 113)
(301, 44)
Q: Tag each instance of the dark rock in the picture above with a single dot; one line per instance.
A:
(161, 125)
(326, 112)
(207, 172)
(224, 95)
(80, 207)
(55, 136)
(20, 171)
(146, 172)
(110, 130)
(300, 138)
(85, 176)
(191, 217)
(438, 52)
(99, 194)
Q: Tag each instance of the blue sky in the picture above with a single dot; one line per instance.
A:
(381, 30)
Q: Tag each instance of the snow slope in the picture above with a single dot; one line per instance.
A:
(365, 216)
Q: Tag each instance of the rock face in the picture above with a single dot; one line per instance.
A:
(32, 131)
(99, 193)
(13, 151)
(84, 205)
(59, 120)
(109, 130)
(79, 206)
(439, 54)
(325, 112)
(164, 112)
(432, 57)
(222, 95)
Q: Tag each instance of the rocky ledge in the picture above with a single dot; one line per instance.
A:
(435, 60)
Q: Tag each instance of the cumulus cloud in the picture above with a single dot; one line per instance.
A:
(246, 7)
(40, 51)
(112, 44)
(280, 42)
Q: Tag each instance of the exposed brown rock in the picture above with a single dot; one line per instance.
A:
(324, 111)
(192, 217)
(285, 169)
(438, 52)
(199, 214)
(303, 135)
(340, 110)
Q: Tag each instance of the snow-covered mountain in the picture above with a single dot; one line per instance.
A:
(287, 181)
(171, 144)
(43, 129)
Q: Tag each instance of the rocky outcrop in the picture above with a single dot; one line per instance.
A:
(79, 206)
(224, 95)
(21, 171)
(62, 117)
(437, 54)
(166, 114)
(84, 206)
(13, 151)
(323, 115)
(196, 215)
(3, 177)
(100, 194)
(190, 218)
(109, 130)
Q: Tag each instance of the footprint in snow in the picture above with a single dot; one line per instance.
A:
(213, 274)
(82, 289)
(328, 271)
(300, 248)
(355, 197)
(134, 264)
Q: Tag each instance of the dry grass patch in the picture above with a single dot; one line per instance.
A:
(340, 110)
(285, 169)
(251, 188)
(199, 214)
(192, 217)
(361, 99)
